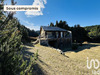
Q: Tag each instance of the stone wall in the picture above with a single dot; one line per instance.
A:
(44, 42)
(60, 43)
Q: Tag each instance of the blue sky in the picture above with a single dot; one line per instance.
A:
(83, 12)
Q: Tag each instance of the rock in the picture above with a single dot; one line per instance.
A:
(60, 51)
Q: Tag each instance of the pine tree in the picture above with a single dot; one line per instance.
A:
(11, 61)
(10, 44)
(51, 24)
(56, 24)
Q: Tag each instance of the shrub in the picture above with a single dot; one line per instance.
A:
(74, 46)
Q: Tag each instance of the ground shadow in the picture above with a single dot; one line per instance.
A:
(80, 48)
(29, 44)
(36, 69)
(27, 55)
(25, 51)
(42, 62)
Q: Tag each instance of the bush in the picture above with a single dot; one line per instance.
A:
(74, 46)
(80, 44)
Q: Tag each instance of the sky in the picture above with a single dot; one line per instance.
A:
(83, 12)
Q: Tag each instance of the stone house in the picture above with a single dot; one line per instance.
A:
(55, 36)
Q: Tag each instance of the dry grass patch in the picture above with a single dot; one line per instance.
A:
(53, 63)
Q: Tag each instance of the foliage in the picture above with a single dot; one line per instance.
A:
(74, 46)
(78, 33)
(11, 35)
(62, 24)
(33, 33)
(94, 32)
(81, 34)
(26, 33)
(10, 44)
(11, 58)
(36, 55)
(51, 24)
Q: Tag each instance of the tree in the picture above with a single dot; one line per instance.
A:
(51, 24)
(11, 61)
(10, 45)
(56, 24)
(78, 25)
(62, 24)
(79, 34)
(94, 32)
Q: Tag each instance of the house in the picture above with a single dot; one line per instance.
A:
(55, 36)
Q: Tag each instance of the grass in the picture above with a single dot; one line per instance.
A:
(52, 62)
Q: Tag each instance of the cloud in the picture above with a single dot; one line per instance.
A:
(31, 25)
(41, 3)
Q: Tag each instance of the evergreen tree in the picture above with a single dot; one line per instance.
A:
(11, 61)
(51, 24)
(94, 32)
(56, 24)
(79, 34)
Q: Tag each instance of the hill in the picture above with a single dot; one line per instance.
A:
(94, 32)
(51, 62)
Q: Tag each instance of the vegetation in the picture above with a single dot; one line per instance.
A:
(74, 46)
(79, 34)
(94, 32)
(26, 33)
(12, 34)
(72, 63)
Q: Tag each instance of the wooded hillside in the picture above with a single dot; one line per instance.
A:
(93, 32)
